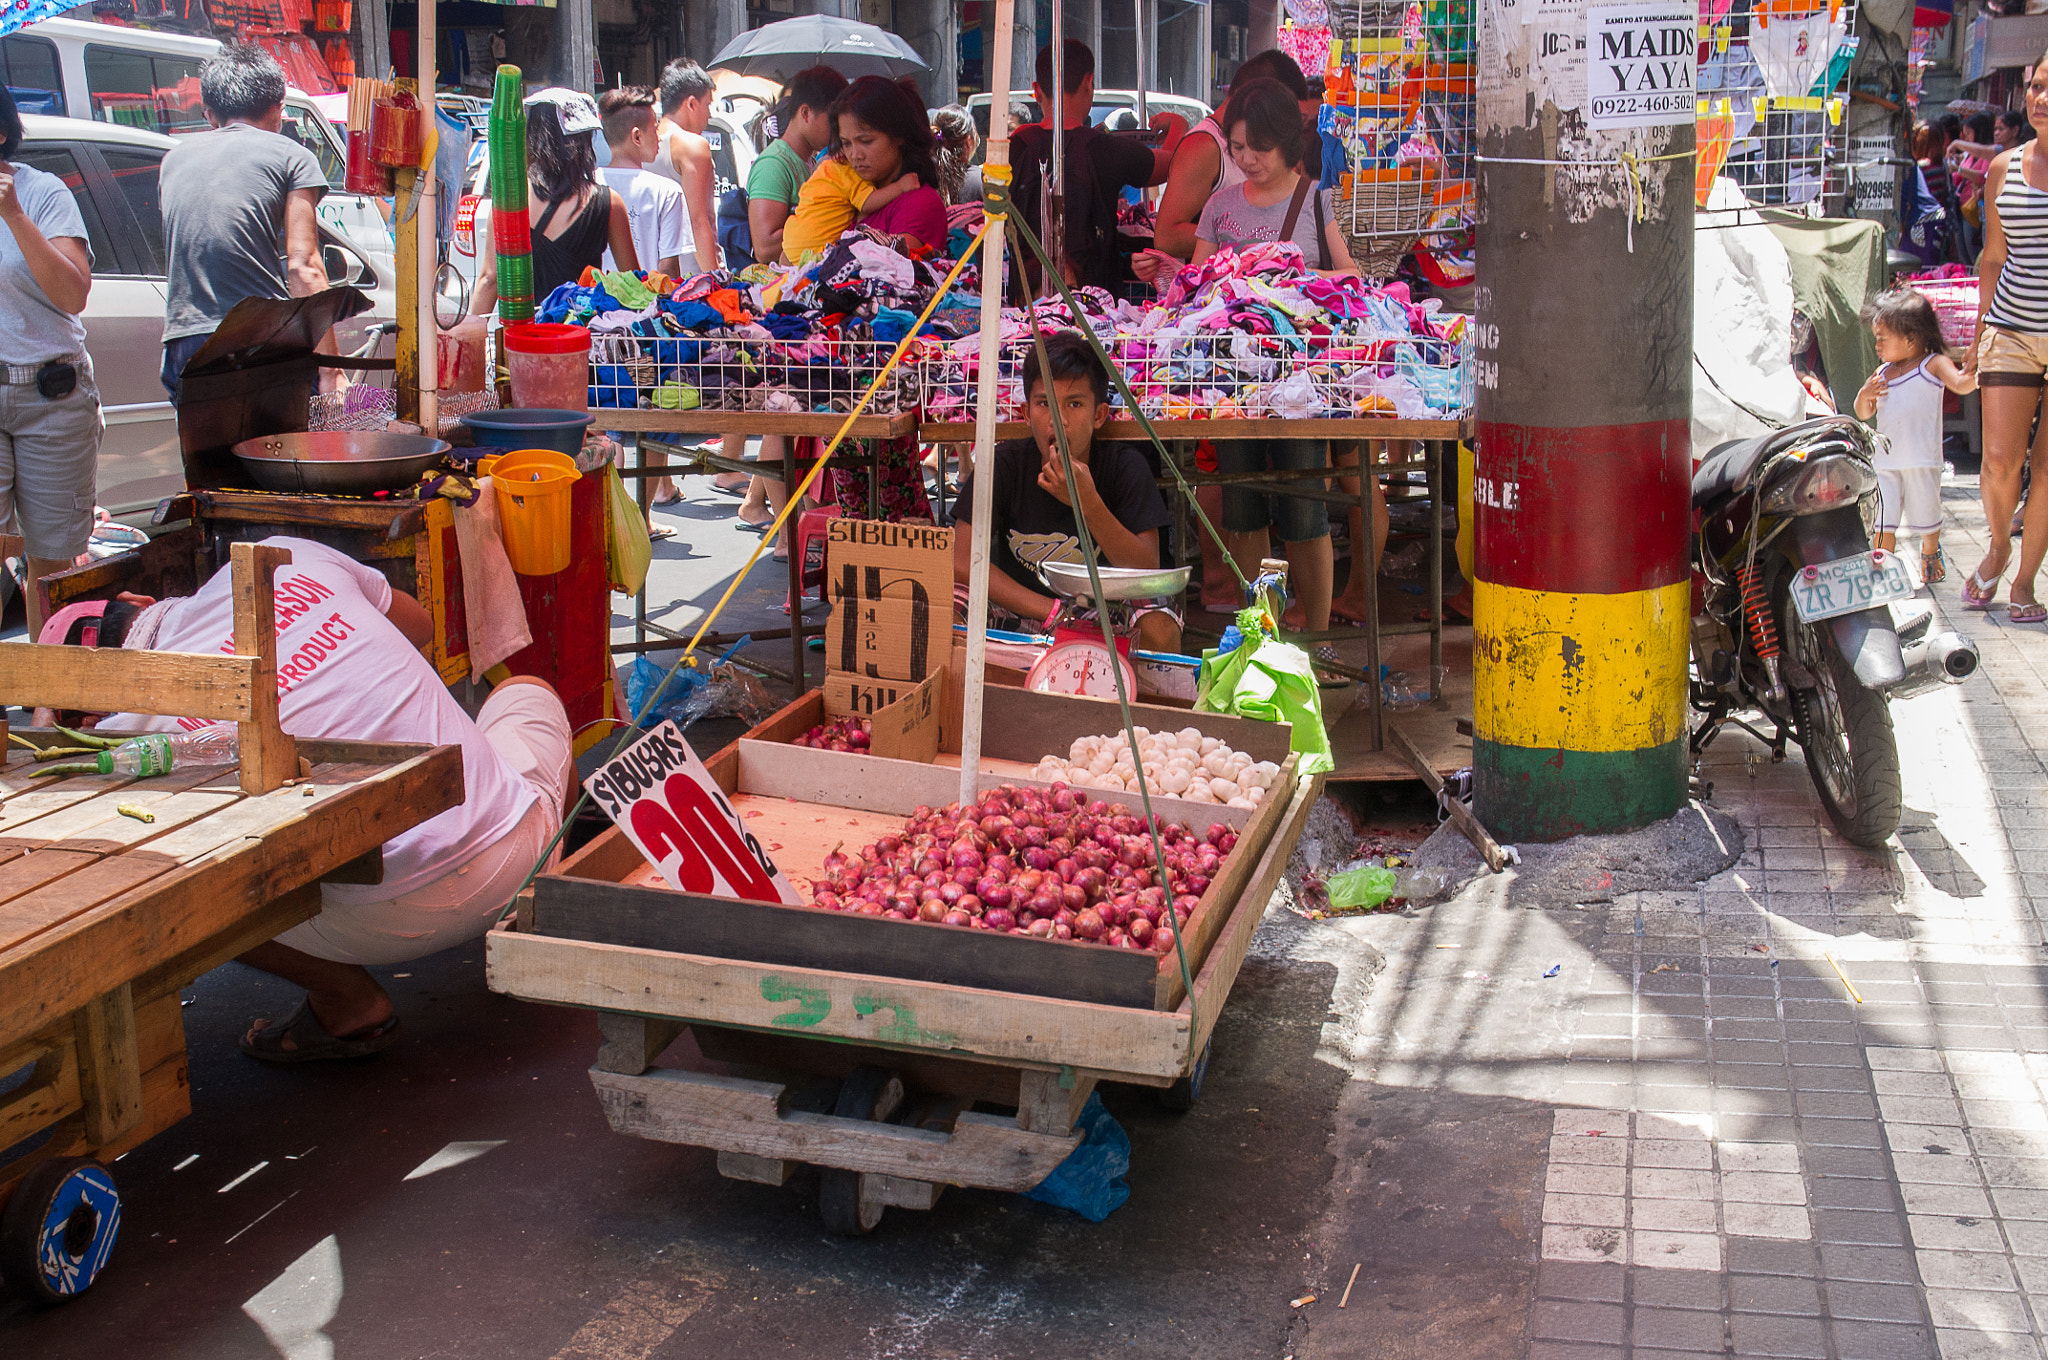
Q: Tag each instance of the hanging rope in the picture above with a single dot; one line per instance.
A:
(997, 202)
(1630, 164)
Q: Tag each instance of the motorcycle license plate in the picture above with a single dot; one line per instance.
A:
(1848, 584)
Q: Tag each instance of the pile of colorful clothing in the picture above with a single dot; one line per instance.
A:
(1245, 334)
(807, 339)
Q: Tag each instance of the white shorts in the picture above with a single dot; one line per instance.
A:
(1909, 500)
(528, 726)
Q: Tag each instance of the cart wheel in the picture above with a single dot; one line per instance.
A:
(869, 1092)
(1182, 1095)
(59, 1229)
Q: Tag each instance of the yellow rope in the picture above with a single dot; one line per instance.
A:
(803, 487)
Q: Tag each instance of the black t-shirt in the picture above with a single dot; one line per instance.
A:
(1031, 526)
(1099, 166)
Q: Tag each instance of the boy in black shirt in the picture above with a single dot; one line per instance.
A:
(1032, 519)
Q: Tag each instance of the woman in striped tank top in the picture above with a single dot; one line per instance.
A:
(2010, 358)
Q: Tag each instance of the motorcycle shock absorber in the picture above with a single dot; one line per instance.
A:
(1763, 629)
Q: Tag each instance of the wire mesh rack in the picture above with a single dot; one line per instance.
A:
(1236, 375)
(1396, 125)
(742, 373)
(1772, 89)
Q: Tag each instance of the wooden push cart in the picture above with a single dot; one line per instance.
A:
(105, 915)
(867, 1046)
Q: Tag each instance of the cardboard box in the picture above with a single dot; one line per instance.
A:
(888, 639)
(872, 560)
(850, 696)
(909, 729)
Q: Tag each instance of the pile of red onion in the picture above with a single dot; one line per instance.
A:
(840, 734)
(1044, 863)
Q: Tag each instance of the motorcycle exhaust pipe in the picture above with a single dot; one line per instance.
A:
(1932, 660)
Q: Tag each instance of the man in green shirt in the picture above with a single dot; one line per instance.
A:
(780, 171)
(772, 185)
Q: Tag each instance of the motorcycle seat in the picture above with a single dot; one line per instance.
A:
(1729, 466)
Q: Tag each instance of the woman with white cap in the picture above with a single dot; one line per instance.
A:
(574, 217)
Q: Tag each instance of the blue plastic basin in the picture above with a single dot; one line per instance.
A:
(538, 428)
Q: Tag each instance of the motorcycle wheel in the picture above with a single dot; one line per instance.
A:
(1845, 731)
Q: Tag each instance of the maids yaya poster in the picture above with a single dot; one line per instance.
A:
(1640, 62)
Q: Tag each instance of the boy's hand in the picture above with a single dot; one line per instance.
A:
(905, 183)
(1052, 479)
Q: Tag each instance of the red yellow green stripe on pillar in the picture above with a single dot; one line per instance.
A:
(1579, 622)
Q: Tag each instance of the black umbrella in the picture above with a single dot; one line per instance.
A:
(779, 50)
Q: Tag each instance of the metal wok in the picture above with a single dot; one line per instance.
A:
(340, 462)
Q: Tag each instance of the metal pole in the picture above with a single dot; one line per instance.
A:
(1052, 219)
(1583, 341)
(427, 226)
(1138, 42)
(996, 172)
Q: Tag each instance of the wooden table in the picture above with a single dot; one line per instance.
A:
(104, 916)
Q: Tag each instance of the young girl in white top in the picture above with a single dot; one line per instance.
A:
(1905, 395)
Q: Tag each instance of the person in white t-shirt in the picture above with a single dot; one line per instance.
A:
(348, 666)
(661, 221)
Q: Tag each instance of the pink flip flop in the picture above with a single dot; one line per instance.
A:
(1978, 593)
(2035, 612)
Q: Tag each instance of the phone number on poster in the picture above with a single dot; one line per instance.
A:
(1628, 105)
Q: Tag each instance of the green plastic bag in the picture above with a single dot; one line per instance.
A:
(627, 550)
(1367, 887)
(1271, 681)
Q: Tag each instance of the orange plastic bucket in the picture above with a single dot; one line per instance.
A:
(533, 487)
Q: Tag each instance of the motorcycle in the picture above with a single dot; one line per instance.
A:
(1798, 618)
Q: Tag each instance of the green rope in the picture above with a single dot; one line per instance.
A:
(1000, 198)
(1123, 702)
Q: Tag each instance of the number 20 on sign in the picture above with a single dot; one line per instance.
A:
(665, 801)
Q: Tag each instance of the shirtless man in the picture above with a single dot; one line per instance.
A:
(686, 94)
(685, 157)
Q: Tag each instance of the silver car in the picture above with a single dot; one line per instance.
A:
(113, 172)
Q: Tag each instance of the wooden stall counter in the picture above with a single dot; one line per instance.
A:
(117, 891)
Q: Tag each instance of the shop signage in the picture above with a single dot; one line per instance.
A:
(1640, 61)
(670, 807)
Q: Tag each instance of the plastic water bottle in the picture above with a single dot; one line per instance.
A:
(155, 753)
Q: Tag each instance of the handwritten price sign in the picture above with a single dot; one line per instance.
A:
(670, 807)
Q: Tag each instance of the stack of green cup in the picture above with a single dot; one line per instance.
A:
(511, 234)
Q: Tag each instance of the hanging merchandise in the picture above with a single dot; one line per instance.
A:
(511, 232)
(1396, 123)
(1792, 53)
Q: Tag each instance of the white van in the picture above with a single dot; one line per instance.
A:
(145, 79)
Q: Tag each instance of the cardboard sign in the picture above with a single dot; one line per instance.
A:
(673, 811)
(850, 696)
(885, 639)
(870, 560)
(1640, 64)
(909, 728)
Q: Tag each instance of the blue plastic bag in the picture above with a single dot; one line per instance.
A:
(641, 678)
(1091, 1180)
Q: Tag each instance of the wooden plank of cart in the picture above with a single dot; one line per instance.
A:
(860, 1042)
(104, 915)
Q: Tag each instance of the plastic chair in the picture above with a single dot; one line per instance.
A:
(810, 545)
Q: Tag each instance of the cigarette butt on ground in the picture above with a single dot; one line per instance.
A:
(1345, 1301)
(1304, 1301)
